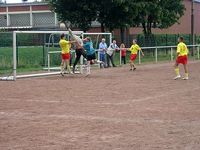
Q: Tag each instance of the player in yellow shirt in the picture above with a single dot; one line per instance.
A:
(65, 50)
(182, 58)
(134, 51)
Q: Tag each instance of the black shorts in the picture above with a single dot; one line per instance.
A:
(91, 57)
(80, 51)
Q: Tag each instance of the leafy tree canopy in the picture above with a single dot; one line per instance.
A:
(120, 13)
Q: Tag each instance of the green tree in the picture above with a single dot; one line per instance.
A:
(120, 13)
(79, 13)
(110, 13)
(158, 14)
(114, 14)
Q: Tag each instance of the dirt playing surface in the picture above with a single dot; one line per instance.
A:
(113, 109)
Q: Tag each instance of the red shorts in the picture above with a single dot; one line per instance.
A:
(182, 60)
(133, 57)
(66, 56)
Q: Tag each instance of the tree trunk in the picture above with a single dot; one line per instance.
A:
(122, 35)
(149, 28)
(144, 28)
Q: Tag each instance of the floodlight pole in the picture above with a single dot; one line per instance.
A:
(14, 56)
(192, 25)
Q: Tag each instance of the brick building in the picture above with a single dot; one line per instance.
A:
(27, 15)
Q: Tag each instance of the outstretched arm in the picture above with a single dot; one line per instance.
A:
(71, 42)
(142, 52)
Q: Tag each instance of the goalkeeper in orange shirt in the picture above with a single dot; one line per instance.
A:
(182, 58)
(134, 51)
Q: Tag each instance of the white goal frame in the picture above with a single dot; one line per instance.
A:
(14, 77)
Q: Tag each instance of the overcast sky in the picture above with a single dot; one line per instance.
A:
(17, 1)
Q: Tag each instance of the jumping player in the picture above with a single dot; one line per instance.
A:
(65, 47)
(79, 51)
(134, 50)
(182, 58)
(91, 56)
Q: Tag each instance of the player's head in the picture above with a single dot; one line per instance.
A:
(114, 42)
(134, 41)
(103, 40)
(180, 39)
(122, 45)
(62, 36)
(88, 39)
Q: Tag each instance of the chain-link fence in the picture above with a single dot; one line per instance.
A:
(43, 19)
(163, 39)
(3, 20)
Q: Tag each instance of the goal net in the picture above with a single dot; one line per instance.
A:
(6, 54)
(30, 53)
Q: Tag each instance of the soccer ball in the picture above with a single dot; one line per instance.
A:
(62, 26)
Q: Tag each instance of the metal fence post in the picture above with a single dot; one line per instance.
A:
(139, 57)
(120, 59)
(156, 54)
(81, 65)
(14, 56)
(48, 62)
(98, 55)
(172, 54)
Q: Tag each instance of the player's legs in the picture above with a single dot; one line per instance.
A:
(124, 59)
(177, 71)
(186, 72)
(88, 68)
(108, 60)
(83, 53)
(112, 61)
(102, 58)
(131, 64)
(78, 56)
(71, 59)
(91, 59)
(62, 63)
(62, 67)
(67, 62)
(95, 60)
(132, 59)
(134, 68)
(185, 61)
